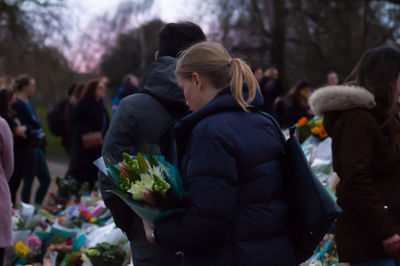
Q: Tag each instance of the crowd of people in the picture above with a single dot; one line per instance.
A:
(200, 108)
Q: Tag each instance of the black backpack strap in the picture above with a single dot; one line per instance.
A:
(277, 126)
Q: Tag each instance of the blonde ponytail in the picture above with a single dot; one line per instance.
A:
(213, 61)
(242, 71)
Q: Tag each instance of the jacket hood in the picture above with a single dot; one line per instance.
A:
(160, 80)
(340, 98)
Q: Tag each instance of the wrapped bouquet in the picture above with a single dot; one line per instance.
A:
(149, 185)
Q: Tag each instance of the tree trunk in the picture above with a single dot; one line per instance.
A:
(278, 36)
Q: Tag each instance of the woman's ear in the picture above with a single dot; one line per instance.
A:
(197, 79)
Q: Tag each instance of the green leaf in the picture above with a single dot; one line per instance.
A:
(142, 163)
(151, 160)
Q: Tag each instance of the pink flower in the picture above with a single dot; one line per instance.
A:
(13, 212)
(34, 242)
(43, 224)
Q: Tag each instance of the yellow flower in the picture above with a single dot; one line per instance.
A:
(92, 220)
(316, 130)
(21, 250)
(303, 121)
(318, 123)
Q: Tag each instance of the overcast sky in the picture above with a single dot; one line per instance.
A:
(167, 10)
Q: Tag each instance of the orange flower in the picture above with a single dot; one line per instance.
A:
(316, 130)
(303, 121)
(61, 219)
(323, 134)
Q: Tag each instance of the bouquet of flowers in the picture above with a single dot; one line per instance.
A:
(149, 185)
(105, 254)
(313, 127)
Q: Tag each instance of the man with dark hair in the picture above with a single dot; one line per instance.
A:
(332, 78)
(142, 123)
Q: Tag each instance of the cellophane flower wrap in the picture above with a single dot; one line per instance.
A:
(149, 185)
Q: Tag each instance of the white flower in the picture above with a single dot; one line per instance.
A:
(156, 171)
(136, 190)
(316, 263)
(15, 222)
(147, 180)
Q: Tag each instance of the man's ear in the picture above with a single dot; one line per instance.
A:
(156, 56)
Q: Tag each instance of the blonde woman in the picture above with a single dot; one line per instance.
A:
(230, 163)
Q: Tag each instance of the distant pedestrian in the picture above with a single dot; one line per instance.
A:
(292, 107)
(130, 85)
(90, 119)
(21, 136)
(271, 88)
(36, 163)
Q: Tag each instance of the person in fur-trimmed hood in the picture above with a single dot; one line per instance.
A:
(363, 120)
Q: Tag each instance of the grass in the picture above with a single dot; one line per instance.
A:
(54, 149)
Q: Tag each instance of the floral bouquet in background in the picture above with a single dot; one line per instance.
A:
(310, 127)
(149, 185)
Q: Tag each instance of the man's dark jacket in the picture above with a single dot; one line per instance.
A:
(143, 120)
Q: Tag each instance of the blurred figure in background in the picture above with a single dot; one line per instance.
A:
(332, 78)
(7, 82)
(90, 120)
(6, 169)
(294, 105)
(35, 164)
(130, 85)
(271, 88)
(21, 140)
(258, 73)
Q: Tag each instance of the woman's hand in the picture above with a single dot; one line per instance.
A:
(149, 232)
(392, 244)
(21, 131)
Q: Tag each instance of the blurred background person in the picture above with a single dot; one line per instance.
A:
(130, 85)
(7, 82)
(332, 78)
(36, 163)
(292, 107)
(258, 73)
(6, 169)
(20, 136)
(90, 120)
(271, 88)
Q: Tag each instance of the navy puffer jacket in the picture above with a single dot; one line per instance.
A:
(230, 164)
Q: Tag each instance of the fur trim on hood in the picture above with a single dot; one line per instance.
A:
(340, 98)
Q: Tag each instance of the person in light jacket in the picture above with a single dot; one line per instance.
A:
(6, 169)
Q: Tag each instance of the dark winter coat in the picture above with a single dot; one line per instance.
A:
(289, 110)
(88, 116)
(139, 125)
(369, 187)
(270, 89)
(230, 165)
(34, 133)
